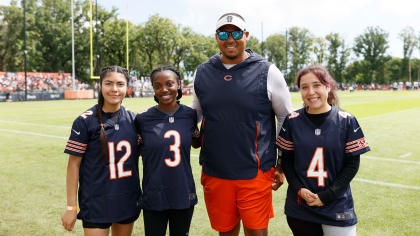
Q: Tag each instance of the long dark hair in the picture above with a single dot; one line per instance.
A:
(165, 68)
(104, 72)
(324, 77)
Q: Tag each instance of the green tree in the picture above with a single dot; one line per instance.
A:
(409, 39)
(254, 45)
(11, 38)
(337, 56)
(300, 41)
(319, 50)
(275, 49)
(203, 47)
(392, 70)
(372, 46)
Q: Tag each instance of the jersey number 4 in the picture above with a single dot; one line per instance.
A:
(120, 165)
(316, 168)
(173, 148)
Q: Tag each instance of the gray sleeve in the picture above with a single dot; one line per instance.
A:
(279, 95)
(196, 103)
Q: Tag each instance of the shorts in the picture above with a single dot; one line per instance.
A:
(229, 201)
(92, 225)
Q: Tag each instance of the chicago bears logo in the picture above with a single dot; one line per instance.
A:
(227, 77)
(229, 18)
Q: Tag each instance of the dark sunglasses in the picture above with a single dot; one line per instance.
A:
(236, 35)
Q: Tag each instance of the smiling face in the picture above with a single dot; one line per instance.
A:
(233, 51)
(314, 94)
(165, 85)
(114, 89)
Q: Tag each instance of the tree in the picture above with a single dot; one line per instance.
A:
(254, 45)
(392, 70)
(372, 46)
(275, 48)
(319, 50)
(409, 39)
(337, 56)
(203, 47)
(11, 38)
(300, 41)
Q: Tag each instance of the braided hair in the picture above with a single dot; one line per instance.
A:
(104, 72)
(167, 68)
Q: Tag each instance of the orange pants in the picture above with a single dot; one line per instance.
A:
(229, 201)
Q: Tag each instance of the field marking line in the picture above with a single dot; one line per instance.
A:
(390, 159)
(32, 133)
(406, 155)
(387, 184)
(33, 124)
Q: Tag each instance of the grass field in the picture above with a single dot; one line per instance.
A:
(33, 166)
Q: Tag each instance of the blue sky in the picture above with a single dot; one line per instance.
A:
(348, 18)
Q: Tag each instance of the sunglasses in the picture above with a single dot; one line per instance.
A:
(236, 35)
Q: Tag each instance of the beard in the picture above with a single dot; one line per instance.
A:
(231, 57)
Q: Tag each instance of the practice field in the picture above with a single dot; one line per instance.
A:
(33, 166)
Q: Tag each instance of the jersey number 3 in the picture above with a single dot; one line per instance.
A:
(173, 148)
(316, 168)
(120, 165)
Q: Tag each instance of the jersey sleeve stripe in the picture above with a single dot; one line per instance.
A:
(284, 147)
(77, 143)
(352, 146)
(356, 149)
(284, 140)
(285, 144)
(74, 150)
(75, 146)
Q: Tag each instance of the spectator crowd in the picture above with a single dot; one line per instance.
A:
(11, 82)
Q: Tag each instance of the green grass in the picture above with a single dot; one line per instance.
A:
(33, 167)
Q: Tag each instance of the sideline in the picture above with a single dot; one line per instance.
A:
(35, 124)
(32, 133)
(390, 159)
(387, 184)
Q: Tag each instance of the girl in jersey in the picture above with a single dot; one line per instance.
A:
(103, 162)
(167, 130)
(321, 147)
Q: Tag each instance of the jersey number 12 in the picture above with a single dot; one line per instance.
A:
(120, 165)
(316, 168)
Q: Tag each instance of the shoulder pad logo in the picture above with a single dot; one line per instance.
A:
(293, 115)
(86, 114)
(344, 114)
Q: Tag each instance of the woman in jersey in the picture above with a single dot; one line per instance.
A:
(168, 130)
(321, 147)
(103, 161)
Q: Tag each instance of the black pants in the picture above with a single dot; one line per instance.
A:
(156, 222)
(304, 228)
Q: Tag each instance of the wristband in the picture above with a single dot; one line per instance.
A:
(71, 208)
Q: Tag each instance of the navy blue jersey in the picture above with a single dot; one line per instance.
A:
(167, 176)
(109, 189)
(318, 158)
